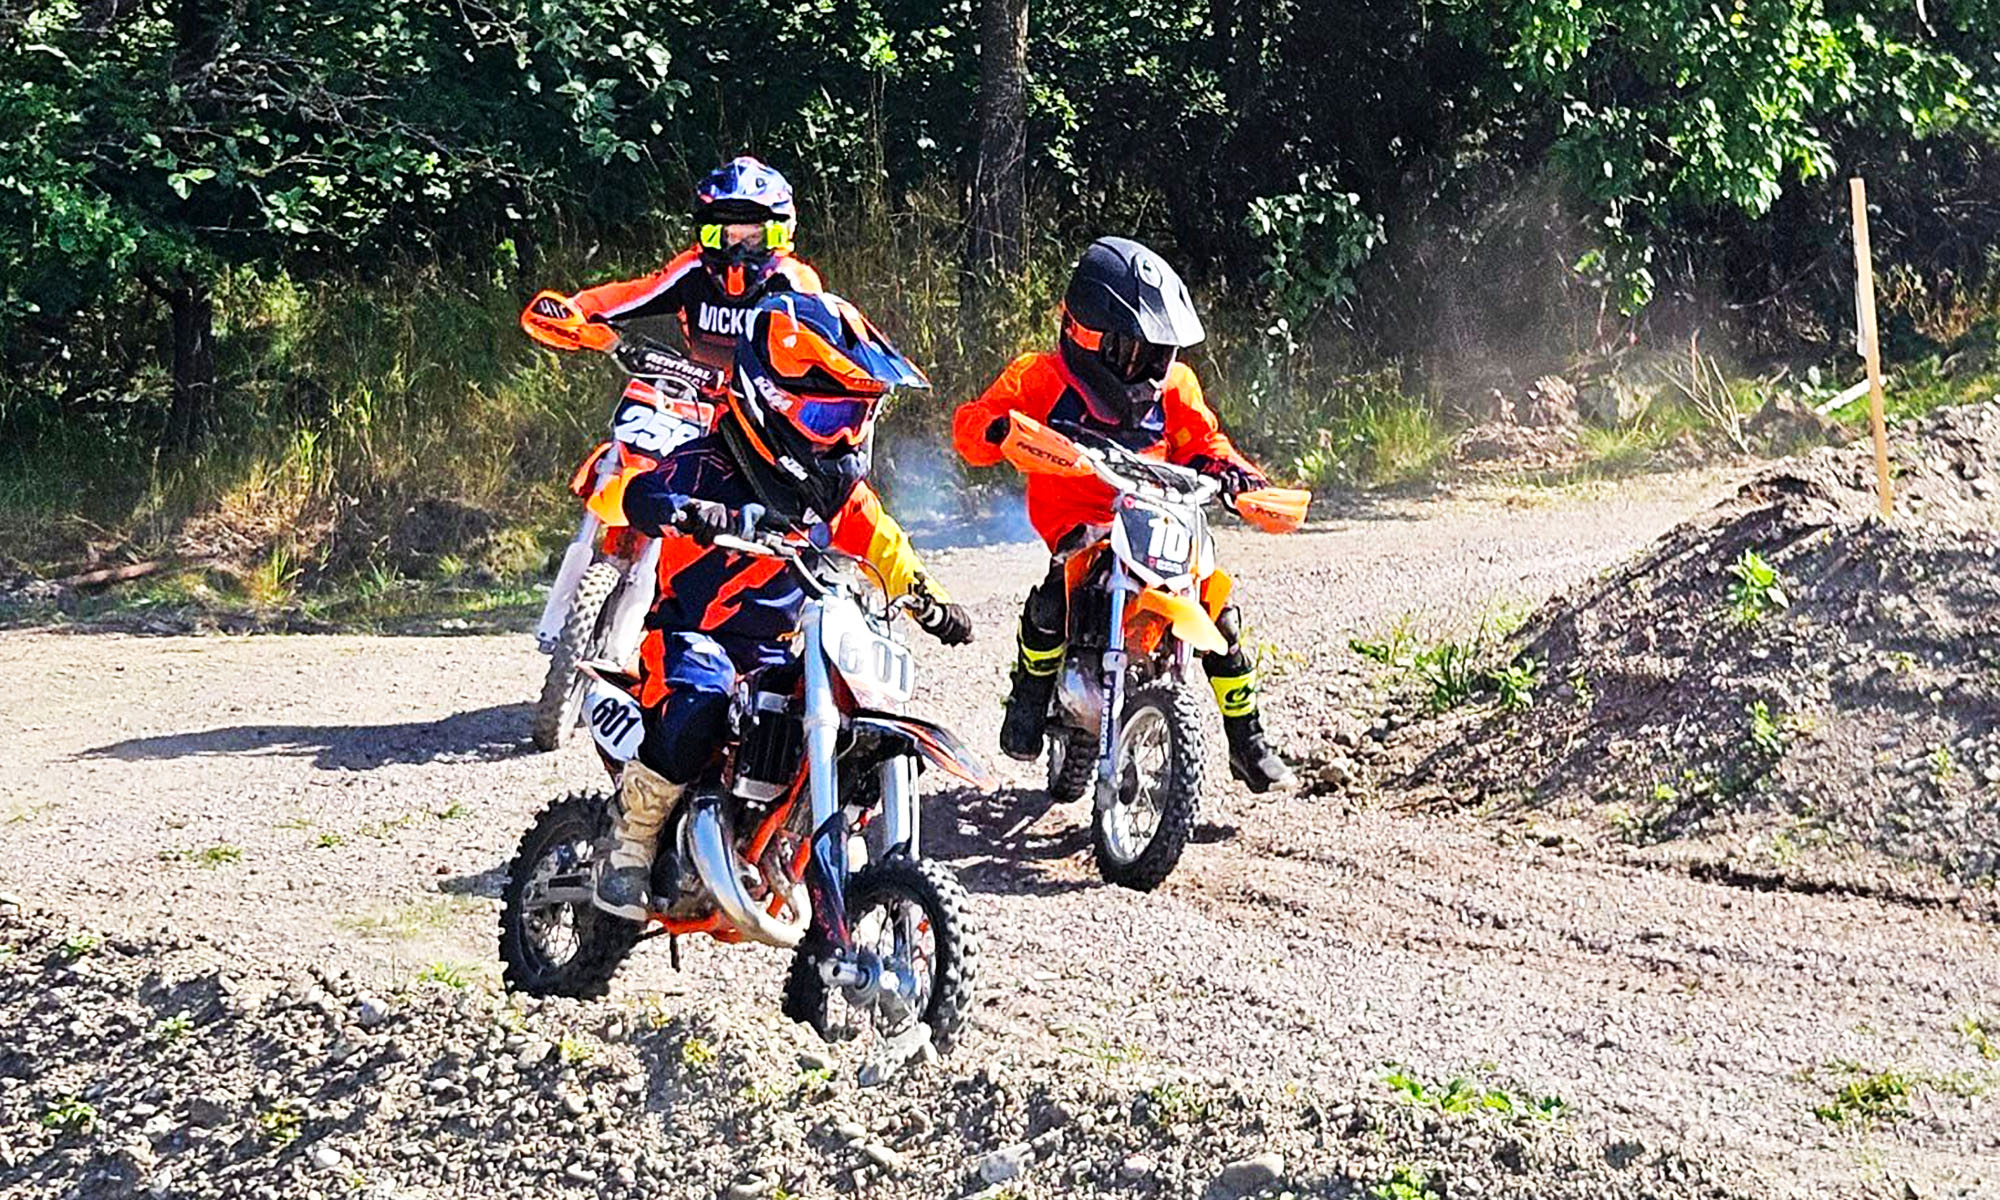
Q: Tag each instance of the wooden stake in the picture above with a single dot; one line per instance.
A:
(1871, 349)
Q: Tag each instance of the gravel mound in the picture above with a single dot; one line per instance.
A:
(165, 1069)
(1849, 735)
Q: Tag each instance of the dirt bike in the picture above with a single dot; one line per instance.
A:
(604, 587)
(806, 838)
(1124, 719)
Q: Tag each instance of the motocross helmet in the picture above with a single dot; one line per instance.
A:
(810, 373)
(744, 218)
(1125, 317)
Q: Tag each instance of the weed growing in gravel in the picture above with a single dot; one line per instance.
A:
(282, 1123)
(28, 812)
(1447, 673)
(220, 854)
(1516, 684)
(450, 974)
(576, 1051)
(452, 811)
(329, 840)
(1873, 1098)
(172, 1029)
(1757, 588)
(1579, 686)
(1462, 1095)
(78, 945)
(70, 1116)
(1943, 767)
(697, 1054)
(1175, 1103)
(1405, 1182)
(1978, 1030)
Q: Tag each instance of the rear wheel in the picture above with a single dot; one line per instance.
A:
(1138, 840)
(553, 940)
(1072, 763)
(583, 634)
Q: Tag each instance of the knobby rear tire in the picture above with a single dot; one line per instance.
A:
(603, 940)
(582, 639)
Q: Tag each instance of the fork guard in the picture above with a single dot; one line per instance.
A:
(933, 742)
(1191, 623)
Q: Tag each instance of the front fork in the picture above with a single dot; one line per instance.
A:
(576, 559)
(1119, 587)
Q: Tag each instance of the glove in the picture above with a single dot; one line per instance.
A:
(996, 429)
(1235, 477)
(948, 623)
(704, 520)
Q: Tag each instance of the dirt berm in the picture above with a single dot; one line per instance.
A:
(1837, 728)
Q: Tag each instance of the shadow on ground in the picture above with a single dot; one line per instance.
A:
(482, 735)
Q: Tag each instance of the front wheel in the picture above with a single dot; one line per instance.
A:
(582, 639)
(1072, 763)
(553, 940)
(911, 914)
(1138, 839)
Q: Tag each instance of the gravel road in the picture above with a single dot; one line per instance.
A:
(348, 802)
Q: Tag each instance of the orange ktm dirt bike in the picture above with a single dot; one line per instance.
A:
(1125, 718)
(602, 591)
(805, 835)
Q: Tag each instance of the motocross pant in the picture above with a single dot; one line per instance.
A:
(1043, 637)
(687, 678)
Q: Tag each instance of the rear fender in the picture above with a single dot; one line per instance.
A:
(1190, 623)
(932, 741)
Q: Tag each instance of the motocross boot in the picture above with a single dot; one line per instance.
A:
(1027, 712)
(1251, 758)
(645, 797)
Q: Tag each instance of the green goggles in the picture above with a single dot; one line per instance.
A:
(773, 236)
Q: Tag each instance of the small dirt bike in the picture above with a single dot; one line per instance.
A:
(1124, 713)
(806, 837)
(602, 591)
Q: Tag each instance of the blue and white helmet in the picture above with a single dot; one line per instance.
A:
(744, 190)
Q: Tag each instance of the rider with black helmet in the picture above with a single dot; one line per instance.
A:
(1116, 373)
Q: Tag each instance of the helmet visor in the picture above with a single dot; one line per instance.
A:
(1133, 360)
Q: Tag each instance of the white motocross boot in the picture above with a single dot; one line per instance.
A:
(624, 877)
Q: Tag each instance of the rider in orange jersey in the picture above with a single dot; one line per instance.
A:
(744, 218)
(1125, 317)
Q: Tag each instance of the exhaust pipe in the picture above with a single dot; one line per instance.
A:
(712, 848)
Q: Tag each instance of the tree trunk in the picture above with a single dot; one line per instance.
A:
(192, 410)
(998, 216)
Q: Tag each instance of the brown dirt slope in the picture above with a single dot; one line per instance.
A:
(1853, 735)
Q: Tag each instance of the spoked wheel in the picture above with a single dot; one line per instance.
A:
(1139, 838)
(909, 915)
(583, 635)
(553, 941)
(1072, 763)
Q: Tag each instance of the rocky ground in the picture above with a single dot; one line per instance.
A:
(248, 948)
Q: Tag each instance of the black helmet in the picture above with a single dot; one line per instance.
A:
(810, 373)
(1124, 317)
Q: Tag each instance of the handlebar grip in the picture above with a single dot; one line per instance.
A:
(748, 518)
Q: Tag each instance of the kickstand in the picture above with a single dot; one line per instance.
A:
(674, 950)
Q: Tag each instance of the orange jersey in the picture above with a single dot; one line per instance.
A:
(711, 319)
(1181, 428)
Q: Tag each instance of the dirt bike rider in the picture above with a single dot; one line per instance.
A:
(1125, 317)
(794, 438)
(744, 217)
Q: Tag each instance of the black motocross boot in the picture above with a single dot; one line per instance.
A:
(1251, 758)
(1027, 712)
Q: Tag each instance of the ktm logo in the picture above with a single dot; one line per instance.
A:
(723, 322)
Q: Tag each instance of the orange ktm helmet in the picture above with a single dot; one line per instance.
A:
(809, 375)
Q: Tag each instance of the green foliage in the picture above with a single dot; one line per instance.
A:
(1316, 238)
(698, 1053)
(1405, 1182)
(1756, 590)
(453, 975)
(80, 945)
(1869, 1099)
(1516, 683)
(1461, 1096)
(70, 1116)
(170, 1030)
(1767, 735)
(282, 1123)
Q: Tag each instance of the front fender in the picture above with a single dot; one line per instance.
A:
(931, 740)
(1191, 624)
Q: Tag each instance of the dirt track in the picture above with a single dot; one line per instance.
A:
(373, 787)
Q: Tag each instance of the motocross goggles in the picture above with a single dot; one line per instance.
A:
(765, 237)
(1131, 359)
(832, 420)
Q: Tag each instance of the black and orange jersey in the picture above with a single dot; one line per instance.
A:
(1179, 428)
(737, 596)
(711, 319)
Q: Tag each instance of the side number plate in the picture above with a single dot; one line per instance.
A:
(616, 723)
